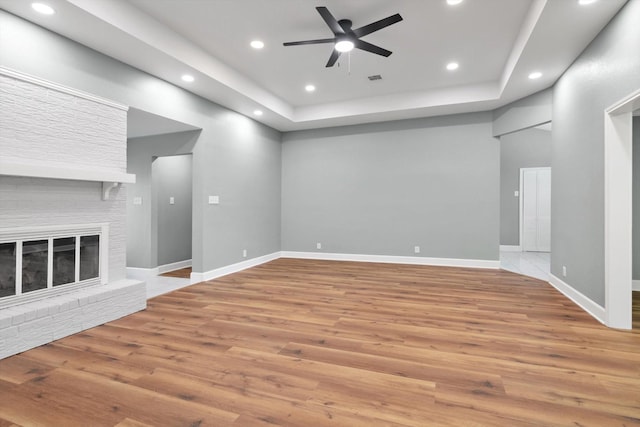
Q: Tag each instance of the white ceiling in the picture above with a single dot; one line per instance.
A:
(496, 42)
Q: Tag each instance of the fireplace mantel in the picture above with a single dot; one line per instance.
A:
(109, 178)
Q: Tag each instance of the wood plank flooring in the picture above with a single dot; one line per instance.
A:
(319, 343)
(183, 273)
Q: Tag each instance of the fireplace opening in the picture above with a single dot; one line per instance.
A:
(34, 264)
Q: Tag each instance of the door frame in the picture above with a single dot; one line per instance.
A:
(521, 201)
(618, 197)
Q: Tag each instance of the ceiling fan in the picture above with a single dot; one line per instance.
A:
(347, 38)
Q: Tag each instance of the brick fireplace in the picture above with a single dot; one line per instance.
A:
(62, 213)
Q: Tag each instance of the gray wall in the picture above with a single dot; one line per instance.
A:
(528, 148)
(171, 178)
(142, 226)
(381, 189)
(235, 157)
(607, 71)
(636, 198)
(524, 113)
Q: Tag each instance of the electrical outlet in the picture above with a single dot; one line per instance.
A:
(172, 200)
(318, 245)
(564, 271)
(137, 200)
(244, 253)
(416, 249)
(516, 193)
(214, 200)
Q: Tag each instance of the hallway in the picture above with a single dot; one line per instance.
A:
(534, 264)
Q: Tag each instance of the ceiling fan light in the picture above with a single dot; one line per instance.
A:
(344, 46)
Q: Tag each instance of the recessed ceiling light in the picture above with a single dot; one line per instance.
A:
(310, 88)
(257, 113)
(453, 2)
(257, 44)
(535, 75)
(43, 8)
(344, 46)
(451, 66)
(187, 78)
(586, 2)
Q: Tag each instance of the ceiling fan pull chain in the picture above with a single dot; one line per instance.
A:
(349, 72)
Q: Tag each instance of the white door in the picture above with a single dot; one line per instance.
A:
(536, 209)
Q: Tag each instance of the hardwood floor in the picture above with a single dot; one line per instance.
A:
(183, 273)
(318, 343)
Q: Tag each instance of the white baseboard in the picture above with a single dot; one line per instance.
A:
(233, 268)
(392, 259)
(174, 266)
(510, 248)
(594, 309)
(448, 262)
(141, 273)
(635, 284)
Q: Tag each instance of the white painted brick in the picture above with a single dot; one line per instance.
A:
(5, 321)
(40, 124)
(44, 124)
(125, 297)
(42, 312)
(7, 333)
(30, 315)
(18, 319)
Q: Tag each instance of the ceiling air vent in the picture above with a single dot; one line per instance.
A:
(375, 77)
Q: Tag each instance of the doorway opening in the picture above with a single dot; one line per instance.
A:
(618, 217)
(525, 155)
(160, 226)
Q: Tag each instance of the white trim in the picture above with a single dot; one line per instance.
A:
(143, 274)
(635, 285)
(11, 167)
(510, 248)
(103, 269)
(392, 259)
(233, 268)
(60, 88)
(174, 266)
(628, 104)
(595, 310)
(24, 233)
(618, 169)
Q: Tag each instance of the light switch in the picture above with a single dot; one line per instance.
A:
(137, 200)
(516, 193)
(214, 200)
(172, 201)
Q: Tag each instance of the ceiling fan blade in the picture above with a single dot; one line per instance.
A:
(333, 58)
(318, 41)
(330, 20)
(378, 25)
(362, 45)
